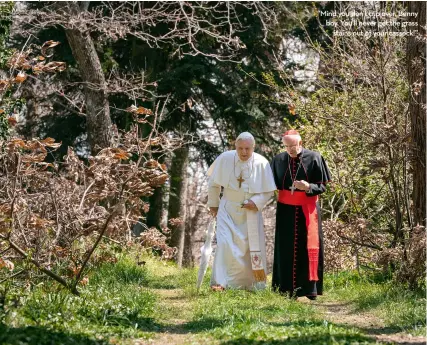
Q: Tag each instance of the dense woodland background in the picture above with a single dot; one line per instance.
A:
(112, 112)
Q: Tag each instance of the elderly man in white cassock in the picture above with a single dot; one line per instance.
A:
(248, 184)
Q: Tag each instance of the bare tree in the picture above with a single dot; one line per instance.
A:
(184, 23)
(180, 25)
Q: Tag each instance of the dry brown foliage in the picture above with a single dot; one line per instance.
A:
(356, 245)
(351, 245)
(55, 214)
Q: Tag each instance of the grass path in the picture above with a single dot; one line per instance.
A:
(340, 313)
(185, 321)
(175, 311)
(343, 313)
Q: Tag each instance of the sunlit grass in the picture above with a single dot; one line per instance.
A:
(143, 298)
(115, 303)
(397, 306)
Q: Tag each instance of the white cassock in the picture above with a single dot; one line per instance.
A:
(240, 255)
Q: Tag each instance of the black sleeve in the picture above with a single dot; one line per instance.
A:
(273, 169)
(320, 178)
(316, 189)
(321, 172)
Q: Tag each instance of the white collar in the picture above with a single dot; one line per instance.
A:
(246, 161)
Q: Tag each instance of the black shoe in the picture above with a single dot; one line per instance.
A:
(312, 298)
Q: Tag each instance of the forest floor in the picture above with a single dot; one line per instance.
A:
(158, 304)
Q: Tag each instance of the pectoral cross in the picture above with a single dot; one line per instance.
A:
(292, 189)
(240, 179)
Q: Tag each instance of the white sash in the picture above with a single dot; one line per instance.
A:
(258, 268)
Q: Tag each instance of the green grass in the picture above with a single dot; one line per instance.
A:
(114, 304)
(124, 301)
(399, 307)
(263, 317)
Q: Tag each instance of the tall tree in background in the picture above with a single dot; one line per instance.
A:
(98, 120)
(416, 62)
(176, 211)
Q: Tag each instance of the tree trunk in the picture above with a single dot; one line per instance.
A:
(155, 214)
(176, 200)
(187, 256)
(98, 118)
(190, 230)
(416, 61)
(192, 214)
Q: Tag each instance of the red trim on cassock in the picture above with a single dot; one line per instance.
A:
(294, 263)
(311, 221)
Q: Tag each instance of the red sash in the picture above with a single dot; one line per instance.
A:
(308, 204)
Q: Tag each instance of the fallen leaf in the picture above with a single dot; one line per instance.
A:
(47, 45)
(144, 111)
(21, 77)
(50, 142)
(54, 66)
(150, 164)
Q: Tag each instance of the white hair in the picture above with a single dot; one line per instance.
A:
(292, 136)
(246, 136)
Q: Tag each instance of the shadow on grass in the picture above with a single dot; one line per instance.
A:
(201, 325)
(366, 303)
(367, 332)
(41, 336)
(145, 324)
(380, 330)
(338, 337)
(326, 339)
(167, 282)
(405, 319)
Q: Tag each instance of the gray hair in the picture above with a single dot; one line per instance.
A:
(246, 136)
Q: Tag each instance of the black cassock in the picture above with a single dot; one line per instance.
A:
(291, 261)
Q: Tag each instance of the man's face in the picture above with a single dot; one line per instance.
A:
(244, 149)
(292, 145)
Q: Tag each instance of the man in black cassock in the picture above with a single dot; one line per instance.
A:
(301, 176)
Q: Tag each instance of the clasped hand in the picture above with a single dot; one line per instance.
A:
(302, 185)
(250, 205)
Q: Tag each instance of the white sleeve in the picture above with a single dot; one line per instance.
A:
(213, 194)
(261, 199)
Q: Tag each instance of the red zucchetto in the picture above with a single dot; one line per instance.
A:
(291, 132)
